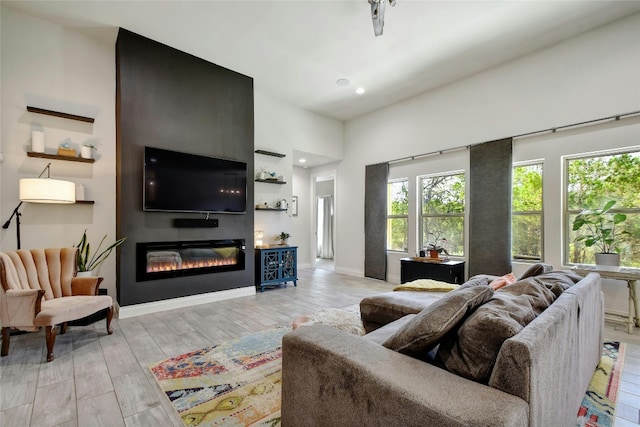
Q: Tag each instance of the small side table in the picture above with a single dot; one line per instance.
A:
(629, 275)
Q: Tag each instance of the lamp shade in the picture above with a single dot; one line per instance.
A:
(47, 190)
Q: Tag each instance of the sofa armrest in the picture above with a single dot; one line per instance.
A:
(330, 377)
(22, 306)
(85, 285)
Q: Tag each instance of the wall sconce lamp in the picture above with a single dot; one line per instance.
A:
(42, 190)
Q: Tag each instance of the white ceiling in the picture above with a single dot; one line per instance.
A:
(296, 50)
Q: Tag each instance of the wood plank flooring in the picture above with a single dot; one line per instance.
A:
(103, 380)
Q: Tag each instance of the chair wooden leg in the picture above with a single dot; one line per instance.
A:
(51, 340)
(109, 317)
(5, 341)
(63, 328)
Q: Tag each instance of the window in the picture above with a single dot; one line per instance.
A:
(397, 215)
(442, 209)
(526, 210)
(592, 180)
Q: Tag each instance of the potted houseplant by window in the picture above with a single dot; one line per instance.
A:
(87, 262)
(283, 238)
(598, 228)
(436, 246)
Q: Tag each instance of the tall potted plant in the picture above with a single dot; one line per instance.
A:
(88, 262)
(598, 228)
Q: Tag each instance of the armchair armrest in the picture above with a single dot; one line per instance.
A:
(85, 285)
(331, 377)
(22, 306)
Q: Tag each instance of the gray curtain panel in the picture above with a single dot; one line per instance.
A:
(375, 221)
(490, 208)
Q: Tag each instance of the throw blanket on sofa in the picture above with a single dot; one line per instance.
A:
(429, 285)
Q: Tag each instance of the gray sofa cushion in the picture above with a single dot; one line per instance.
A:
(379, 310)
(535, 270)
(425, 330)
(472, 351)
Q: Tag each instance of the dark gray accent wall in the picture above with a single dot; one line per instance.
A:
(490, 208)
(375, 221)
(169, 99)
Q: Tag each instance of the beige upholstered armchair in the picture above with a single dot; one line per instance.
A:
(39, 288)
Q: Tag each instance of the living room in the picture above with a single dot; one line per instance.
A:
(589, 76)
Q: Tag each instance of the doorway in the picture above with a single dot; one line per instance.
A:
(324, 222)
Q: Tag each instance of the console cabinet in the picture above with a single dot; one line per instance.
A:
(447, 271)
(277, 265)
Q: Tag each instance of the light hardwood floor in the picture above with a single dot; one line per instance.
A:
(103, 380)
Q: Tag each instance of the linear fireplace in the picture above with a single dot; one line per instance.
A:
(161, 260)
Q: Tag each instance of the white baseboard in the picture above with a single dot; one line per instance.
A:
(171, 304)
(349, 271)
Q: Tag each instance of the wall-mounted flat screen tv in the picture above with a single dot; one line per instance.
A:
(181, 182)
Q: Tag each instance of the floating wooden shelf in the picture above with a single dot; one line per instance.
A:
(56, 157)
(59, 114)
(271, 181)
(270, 153)
(84, 202)
(271, 209)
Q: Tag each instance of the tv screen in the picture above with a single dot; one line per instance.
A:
(181, 182)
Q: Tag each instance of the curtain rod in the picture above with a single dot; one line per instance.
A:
(551, 130)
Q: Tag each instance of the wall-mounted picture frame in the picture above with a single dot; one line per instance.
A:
(294, 205)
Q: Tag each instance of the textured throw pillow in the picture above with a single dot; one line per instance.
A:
(425, 330)
(503, 281)
(429, 285)
(536, 269)
(472, 351)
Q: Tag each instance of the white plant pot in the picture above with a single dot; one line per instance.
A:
(608, 262)
(86, 152)
(84, 274)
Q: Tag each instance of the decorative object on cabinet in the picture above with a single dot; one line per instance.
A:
(259, 236)
(294, 205)
(270, 153)
(88, 262)
(59, 114)
(41, 190)
(445, 271)
(283, 237)
(276, 266)
(37, 141)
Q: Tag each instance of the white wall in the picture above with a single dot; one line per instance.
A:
(47, 66)
(281, 128)
(301, 225)
(594, 75)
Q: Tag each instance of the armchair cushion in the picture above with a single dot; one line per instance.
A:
(60, 310)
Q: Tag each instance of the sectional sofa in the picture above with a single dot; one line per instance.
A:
(522, 355)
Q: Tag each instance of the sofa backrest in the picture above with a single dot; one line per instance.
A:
(48, 269)
(550, 362)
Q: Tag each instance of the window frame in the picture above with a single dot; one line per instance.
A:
(422, 215)
(389, 216)
(541, 212)
(567, 226)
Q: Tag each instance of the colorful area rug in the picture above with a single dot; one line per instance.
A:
(237, 383)
(599, 404)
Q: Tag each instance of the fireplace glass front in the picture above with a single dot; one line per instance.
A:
(160, 260)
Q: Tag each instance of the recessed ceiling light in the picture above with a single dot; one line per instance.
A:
(302, 160)
(360, 90)
(342, 82)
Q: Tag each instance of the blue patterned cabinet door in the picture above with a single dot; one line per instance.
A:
(276, 266)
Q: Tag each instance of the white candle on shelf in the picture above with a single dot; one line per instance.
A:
(37, 141)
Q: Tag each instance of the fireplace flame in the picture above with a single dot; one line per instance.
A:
(156, 267)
